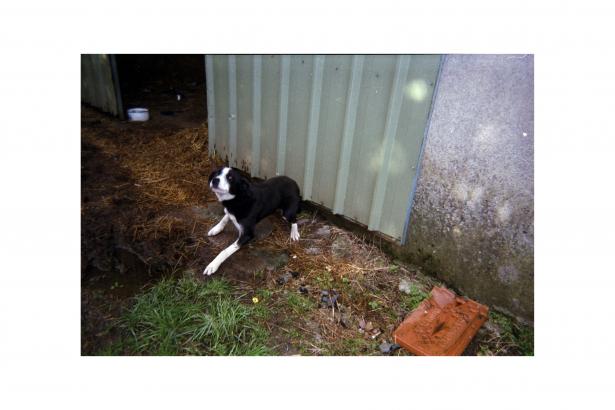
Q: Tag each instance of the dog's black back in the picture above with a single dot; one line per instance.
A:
(256, 201)
(253, 201)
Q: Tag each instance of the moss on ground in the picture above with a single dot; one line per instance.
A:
(512, 337)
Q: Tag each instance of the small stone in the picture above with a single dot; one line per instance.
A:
(323, 231)
(492, 328)
(405, 286)
(362, 323)
(369, 326)
(283, 279)
(341, 248)
(329, 299)
(346, 320)
(388, 348)
(385, 347)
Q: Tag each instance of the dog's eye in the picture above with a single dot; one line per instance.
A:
(230, 178)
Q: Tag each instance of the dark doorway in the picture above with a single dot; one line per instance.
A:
(171, 86)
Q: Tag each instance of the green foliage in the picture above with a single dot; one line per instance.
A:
(514, 334)
(374, 305)
(193, 317)
(299, 304)
(352, 347)
(412, 300)
(324, 280)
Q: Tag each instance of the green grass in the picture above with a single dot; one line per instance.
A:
(374, 305)
(352, 347)
(299, 304)
(412, 300)
(514, 334)
(186, 316)
(262, 310)
(324, 280)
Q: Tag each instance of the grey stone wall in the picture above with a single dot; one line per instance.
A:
(472, 222)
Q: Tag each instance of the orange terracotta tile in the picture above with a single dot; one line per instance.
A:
(442, 325)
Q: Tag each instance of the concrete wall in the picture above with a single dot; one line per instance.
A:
(472, 222)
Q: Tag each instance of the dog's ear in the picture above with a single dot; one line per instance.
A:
(244, 185)
(212, 175)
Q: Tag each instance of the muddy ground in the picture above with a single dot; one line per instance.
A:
(146, 210)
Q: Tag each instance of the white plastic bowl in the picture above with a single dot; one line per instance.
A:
(138, 114)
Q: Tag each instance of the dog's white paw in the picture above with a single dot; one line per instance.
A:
(294, 233)
(214, 231)
(211, 268)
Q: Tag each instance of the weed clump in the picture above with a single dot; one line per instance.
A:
(190, 317)
(412, 300)
(513, 338)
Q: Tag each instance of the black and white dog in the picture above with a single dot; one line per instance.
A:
(246, 203)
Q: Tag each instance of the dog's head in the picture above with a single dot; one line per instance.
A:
(227, 183)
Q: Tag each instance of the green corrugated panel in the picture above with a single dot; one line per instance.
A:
(298, 115)
(348, 129)
(269, 114)
(331, 123)
(245, 111)
(211, 104)
(366, 156)
(221, 103)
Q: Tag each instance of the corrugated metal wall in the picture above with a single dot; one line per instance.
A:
(99, 83)
(347, 128)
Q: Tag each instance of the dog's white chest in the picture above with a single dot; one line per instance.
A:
(224, 197)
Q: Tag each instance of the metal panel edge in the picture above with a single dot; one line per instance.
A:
(283, 114)
(232, 110)
(404, 235)
(116, 86)
(256, 113)
(211, 113)
(319, 63)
